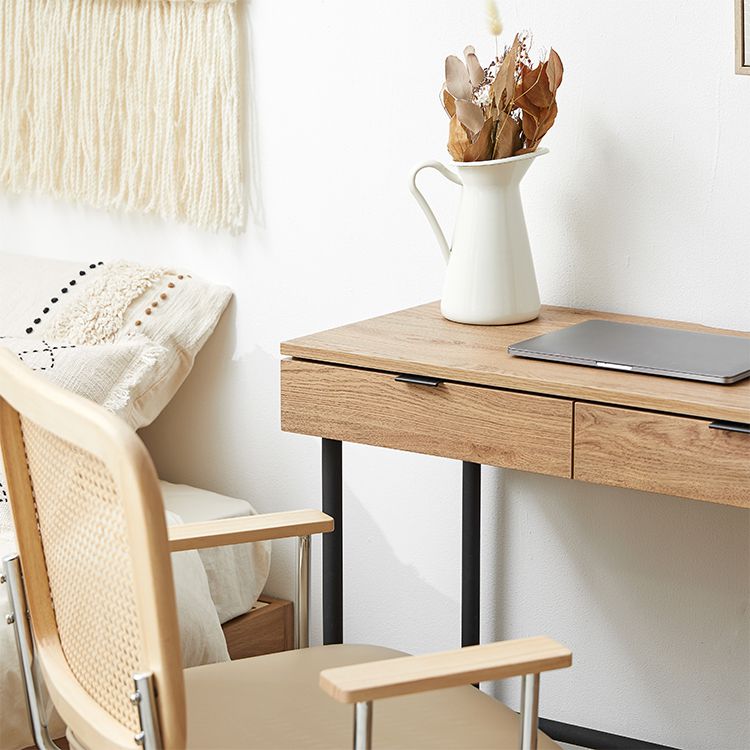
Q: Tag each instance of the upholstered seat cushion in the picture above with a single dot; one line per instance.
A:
(274, 703)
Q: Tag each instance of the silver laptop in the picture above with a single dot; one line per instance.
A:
(710, 357)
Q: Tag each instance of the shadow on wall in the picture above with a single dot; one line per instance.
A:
(182, 438)
(205, 435)
(681, 566)
(388, 601)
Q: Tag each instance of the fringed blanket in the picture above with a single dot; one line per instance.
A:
(124, 104)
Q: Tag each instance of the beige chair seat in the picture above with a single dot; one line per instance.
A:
(274, 703)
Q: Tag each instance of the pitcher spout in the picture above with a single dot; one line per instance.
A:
(498, 171)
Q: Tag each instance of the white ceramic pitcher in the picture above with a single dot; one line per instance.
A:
(490, 278)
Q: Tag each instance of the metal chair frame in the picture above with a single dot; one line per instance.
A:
(143, 696)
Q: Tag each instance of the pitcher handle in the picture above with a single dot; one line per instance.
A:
(453, 177)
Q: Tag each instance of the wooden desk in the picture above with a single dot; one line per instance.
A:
(414, 381)
(464, 397)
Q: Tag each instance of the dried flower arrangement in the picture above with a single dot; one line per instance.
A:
(504, 109)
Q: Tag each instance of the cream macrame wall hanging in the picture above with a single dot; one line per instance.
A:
(124, 104)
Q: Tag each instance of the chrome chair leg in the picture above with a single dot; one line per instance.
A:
(18, 617)
(363, 726)
(529, 719)
(144, 698)
(302, 594)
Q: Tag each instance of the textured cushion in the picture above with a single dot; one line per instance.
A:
(95, 303)
(274, 702)
(236, 574)
(107, 374)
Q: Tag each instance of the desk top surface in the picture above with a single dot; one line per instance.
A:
(419, 341)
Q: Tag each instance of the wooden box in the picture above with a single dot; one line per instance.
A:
(265, 629)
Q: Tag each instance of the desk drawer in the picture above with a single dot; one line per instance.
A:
(660, 453)
(494, 427)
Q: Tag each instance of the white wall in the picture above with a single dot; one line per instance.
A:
(641, 207)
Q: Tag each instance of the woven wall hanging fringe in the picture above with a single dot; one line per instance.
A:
(124, 104)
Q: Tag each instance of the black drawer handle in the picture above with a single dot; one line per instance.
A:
(419, 380)
(731, 426)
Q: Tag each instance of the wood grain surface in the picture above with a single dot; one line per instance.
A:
(661, 453)
(420, 341)
(264, 630)
(415, 674)
(245, 529)
(489, 426)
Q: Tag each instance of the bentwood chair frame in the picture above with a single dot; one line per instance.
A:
(83, 488)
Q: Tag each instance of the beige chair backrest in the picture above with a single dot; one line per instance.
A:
(84, 496)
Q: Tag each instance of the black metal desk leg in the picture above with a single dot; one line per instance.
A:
(333, 551)
(470, 549)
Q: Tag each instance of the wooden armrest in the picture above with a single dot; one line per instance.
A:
(417, 674)
(248, 529)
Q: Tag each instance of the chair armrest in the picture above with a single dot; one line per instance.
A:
(248, 529)
(359, 683)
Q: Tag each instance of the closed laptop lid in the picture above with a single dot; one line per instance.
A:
(649, 349)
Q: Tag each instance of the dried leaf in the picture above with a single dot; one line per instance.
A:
(470, 115)
(481, 148)
(457, 78)
(458, 139)
(527, 107)
(546, 123)
(449, 103)
(476, 71)
(531, 90)
(554, 71)
(536, 126)
(530, 124)
(503, 87)
(507, 138)
(538, 92)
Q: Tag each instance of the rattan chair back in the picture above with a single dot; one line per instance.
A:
(92, 540)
